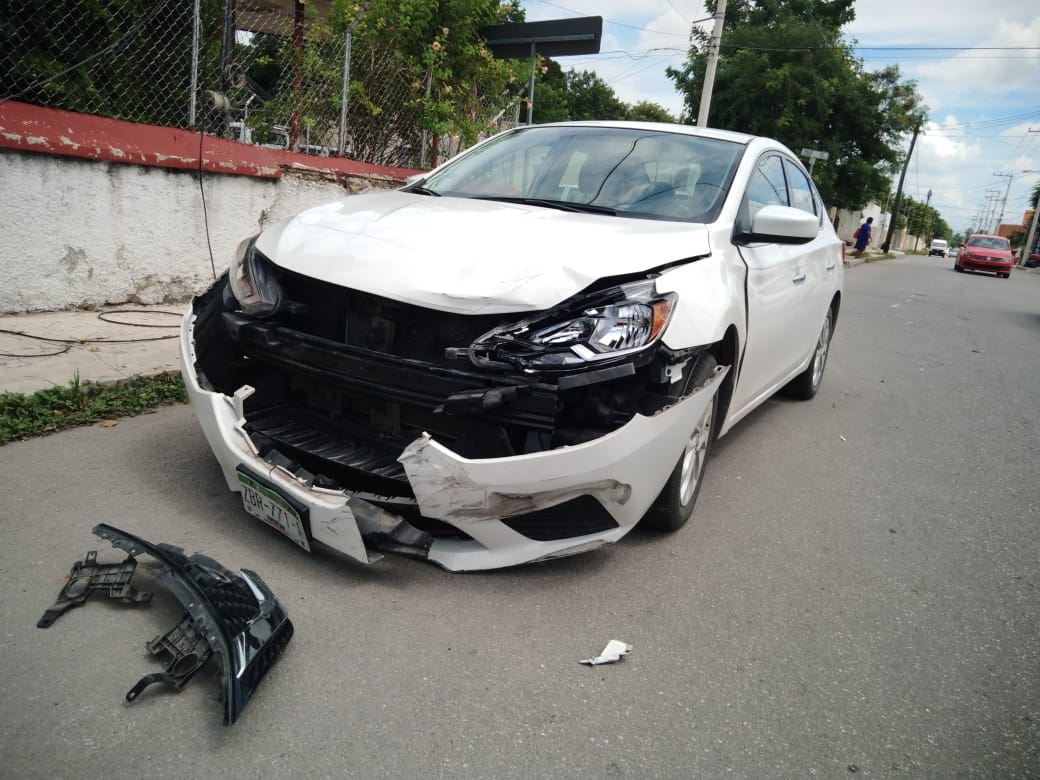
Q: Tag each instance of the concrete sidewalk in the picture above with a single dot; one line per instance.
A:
(103, 345)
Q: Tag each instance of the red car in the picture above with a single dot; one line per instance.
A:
(985, 253)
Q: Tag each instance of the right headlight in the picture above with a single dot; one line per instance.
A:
(594, 329)
(252, 281)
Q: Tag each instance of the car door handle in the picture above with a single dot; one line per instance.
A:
(798, 278)
(831, 265)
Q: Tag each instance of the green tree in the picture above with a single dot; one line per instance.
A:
(590, 97)
(645, 111)
(920, 219)
(415, 67)
(582, 95)
(785, 71)
(550, 93)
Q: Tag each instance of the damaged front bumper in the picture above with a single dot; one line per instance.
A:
(506, 510)
(234, 616)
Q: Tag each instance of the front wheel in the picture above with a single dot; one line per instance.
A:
(674, 505)
(807, 383)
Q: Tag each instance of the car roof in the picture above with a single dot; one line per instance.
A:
(662, 127)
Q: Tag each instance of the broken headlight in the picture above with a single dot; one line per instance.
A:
(253, 283)
(603, 326)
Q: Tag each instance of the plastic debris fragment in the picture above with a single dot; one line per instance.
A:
(612, 653)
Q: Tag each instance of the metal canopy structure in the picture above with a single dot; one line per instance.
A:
(553, 38)
(272, 16)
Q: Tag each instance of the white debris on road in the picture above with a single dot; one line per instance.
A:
(612, 653)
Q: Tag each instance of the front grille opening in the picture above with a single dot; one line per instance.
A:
(379, 324)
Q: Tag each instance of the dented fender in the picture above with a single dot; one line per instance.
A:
(624, 470)
(711, 296)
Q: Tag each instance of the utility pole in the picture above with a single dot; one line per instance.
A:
(1003, 205)
(992, 196)
(1030, 245)
(899, 191)
(713, 61)
(928, 222)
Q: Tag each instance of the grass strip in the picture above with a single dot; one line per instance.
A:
(85, 403)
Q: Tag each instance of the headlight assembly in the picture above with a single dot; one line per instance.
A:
(253, 283)
(597, 328)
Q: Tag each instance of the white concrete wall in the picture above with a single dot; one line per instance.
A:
(848, 221)
(81, 233)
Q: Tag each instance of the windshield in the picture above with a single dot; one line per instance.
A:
(989, 242)
(627, 171)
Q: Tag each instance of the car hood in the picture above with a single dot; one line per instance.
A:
(471, 256)
(985, 253)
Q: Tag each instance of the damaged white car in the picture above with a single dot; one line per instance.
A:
(522, 354)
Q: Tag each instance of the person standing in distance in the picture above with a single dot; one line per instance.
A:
(862, 236)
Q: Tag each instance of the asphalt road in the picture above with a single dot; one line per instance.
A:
(856, 596)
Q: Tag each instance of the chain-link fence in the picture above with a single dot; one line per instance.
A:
(260, 71)
(127, 60)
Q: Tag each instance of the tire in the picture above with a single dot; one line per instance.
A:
(807, 383)
(957, 268)
(673, 507)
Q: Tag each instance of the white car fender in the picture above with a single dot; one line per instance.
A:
(716, 303)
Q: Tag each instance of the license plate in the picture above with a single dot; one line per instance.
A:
(265, 502)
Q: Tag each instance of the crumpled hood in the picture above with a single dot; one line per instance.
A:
(471, 256)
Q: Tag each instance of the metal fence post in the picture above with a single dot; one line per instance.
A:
(194, 64)
(343, 95)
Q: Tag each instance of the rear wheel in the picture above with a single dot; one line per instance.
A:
(807, 383)
(674, 505)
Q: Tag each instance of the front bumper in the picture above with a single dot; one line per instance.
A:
(969, 264)
(624, 471)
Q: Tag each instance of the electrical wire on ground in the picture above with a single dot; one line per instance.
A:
(68, 344)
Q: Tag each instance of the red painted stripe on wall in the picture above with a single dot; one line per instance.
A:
(52, 131)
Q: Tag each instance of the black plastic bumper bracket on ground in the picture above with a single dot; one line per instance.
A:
(188, 651)
(88, 576)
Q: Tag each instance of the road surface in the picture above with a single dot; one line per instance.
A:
(857, 595)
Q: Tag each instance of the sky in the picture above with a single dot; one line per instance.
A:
(977, 66)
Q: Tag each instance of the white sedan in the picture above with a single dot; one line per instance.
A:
(522, 354)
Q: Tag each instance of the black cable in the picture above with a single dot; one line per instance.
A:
(61, 351)
(69, 343)
(205, 211)
(105, 316)
(87, 341)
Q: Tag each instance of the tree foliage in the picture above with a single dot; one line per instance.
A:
(590, 97)
(129, 59)
(920, 219)
(645, 111)
(414, 67)
(583, 95)
(785, 71)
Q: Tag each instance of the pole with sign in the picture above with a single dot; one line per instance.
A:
(813, 156)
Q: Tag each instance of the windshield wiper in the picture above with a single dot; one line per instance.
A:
(561, 205)
(420, 190)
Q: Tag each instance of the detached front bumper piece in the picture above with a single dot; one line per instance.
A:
(236, 617)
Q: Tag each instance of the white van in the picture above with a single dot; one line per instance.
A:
(939, 247)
